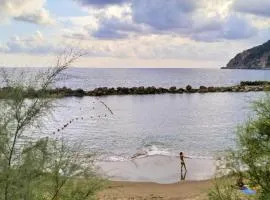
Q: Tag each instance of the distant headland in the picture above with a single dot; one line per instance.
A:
(255, 58)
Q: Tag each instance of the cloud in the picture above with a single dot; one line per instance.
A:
(25, 10)
(255, 7)
(3, 48)
(238, 28)
(40, 17)
(233, 27)
(35, 44)
(187, 21)
(116, 28)
(145, 17)
(164, 15)
(101, 3)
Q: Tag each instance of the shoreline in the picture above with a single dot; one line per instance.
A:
(158, 169)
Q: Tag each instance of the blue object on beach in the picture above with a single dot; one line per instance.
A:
(248, 191)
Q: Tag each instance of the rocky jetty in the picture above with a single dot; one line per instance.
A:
(245, 86)
(254, 58)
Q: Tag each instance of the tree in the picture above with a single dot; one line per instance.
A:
(251, 159)
(44, 169)
(254, 147)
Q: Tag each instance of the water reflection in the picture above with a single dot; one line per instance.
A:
(183, 175)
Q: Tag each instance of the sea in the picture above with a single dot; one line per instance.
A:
(120, 128)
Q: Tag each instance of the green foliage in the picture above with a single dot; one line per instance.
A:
(43, 169)
(254, 146)
(251, 159)
(267, 89)
(224, 190)
(254, 83)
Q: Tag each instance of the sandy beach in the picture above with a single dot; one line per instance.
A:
(158, 177)
(158, 169)
(189, 190)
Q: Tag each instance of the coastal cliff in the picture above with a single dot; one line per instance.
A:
(255, 58)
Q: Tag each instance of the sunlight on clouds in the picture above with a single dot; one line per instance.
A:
(138, 33)
(25, 10)
(41, 16)
(213, 8)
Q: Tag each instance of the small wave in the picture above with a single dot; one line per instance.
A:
(116, 158)
(113, 158)
(149, 151)
(152, 150)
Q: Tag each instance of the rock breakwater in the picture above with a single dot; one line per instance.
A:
(244, 86)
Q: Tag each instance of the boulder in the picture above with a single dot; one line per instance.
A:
(203, 89)
(212, 89)
(151, 90)
(79, 93)
(172, 89)
(180, 90)
(188, 88)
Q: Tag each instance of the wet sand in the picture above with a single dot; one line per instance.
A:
(157, 177)
(158, 169)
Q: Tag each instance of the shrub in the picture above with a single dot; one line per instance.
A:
(253, 149)
(43, 169)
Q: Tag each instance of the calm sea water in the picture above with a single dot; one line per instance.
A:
(92, 78)
(199, 124)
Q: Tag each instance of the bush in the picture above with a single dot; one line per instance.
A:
(224, 190)
(253, 149)
(43, 169)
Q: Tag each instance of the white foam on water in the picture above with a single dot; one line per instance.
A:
(155, 150)
(149, 151)
(152, 150)
(115, 158)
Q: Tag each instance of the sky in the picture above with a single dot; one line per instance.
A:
(131, 33)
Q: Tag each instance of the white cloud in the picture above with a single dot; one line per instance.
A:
(35, 44)
(40, 17)
(25, 10)
(3, 48)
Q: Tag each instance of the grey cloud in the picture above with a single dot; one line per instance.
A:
(164, 15)
(256, 7)
(206, 30)
(232, 28)
(155, 16)
(115, 28)
(238, 28)
(180, 17)
(101, 3)
(203, 24)
(109, 34)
